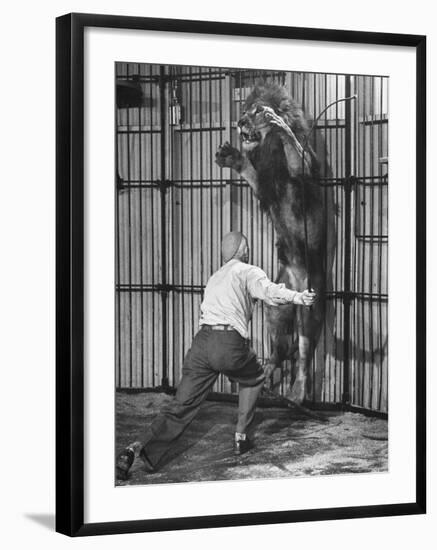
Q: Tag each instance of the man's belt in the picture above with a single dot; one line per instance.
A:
(219, 327)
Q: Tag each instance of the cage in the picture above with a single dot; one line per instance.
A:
(174, 204)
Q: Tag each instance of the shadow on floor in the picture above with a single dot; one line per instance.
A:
(46, 520)
(287, 444)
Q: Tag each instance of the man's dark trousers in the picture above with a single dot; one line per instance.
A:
(212, 352)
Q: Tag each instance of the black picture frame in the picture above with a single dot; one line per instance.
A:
(70, 273)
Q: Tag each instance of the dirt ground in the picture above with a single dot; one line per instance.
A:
(287, 443)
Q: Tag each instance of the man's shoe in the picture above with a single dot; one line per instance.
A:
(124, 461)
(241, 446)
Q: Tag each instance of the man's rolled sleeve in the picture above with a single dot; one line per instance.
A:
(262, 288)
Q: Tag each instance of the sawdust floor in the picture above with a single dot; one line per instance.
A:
(287, 443)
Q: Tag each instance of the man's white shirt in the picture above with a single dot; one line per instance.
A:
(232, 291)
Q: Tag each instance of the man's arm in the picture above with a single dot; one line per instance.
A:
(262, 288)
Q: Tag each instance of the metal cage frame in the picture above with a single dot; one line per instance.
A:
(170, 191)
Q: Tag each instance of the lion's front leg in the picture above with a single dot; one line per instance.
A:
(228, 156)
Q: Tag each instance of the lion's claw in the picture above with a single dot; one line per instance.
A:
(225, 149)
(227, 156)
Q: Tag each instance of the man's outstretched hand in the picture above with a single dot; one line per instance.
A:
(305, 298)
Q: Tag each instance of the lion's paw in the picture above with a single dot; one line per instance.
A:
(228, 156)
(297, 392)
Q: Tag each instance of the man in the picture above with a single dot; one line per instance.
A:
(220, 346)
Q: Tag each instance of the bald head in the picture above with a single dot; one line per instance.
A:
(234, 246)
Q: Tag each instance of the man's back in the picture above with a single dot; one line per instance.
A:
(231, 292)
(227, 300)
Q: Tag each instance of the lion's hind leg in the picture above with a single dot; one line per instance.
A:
(284, 344)
(309, 322)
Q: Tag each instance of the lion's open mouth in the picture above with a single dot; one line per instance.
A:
(250, 136)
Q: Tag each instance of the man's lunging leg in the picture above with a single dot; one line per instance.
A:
(178, 415)
(196, 382)
(251, 380)
(247, 397)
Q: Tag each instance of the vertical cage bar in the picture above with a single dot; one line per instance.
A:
(182, 214)
(211, 167)
(140, 193)
(164, 294)
(191, 199)
(380, 245)
(117, 241)
(347, 243)
(371, 246)
(362, 231)
(152, 217)
(129, 216)
(173, 264)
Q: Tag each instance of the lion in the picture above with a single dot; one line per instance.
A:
(282, 170)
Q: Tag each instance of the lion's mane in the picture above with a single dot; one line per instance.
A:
(269, 158)
(276, 96)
